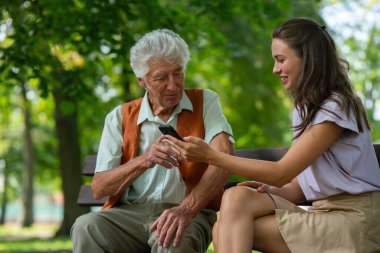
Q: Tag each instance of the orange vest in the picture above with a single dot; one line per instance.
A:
(188, 123)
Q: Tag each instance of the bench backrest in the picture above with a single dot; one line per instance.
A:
(86, 198)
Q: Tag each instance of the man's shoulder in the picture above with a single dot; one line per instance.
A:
(133, 102)
(129, 106)
(210, 93)
(193, 91)
(132, 105)
(205, 92)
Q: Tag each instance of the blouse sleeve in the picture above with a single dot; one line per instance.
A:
(332, 112)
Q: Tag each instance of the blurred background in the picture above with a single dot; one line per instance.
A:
(65, 63)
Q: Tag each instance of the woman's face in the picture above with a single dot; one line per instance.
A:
(286, 64)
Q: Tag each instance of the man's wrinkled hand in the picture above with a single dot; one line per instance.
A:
(161, 153)
(172, 222)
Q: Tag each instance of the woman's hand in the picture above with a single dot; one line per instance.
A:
(194, 149)
(260, 187)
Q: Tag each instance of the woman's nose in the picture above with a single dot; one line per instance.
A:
(276, 69)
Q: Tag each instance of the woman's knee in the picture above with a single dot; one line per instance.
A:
(243, 200)
(236, 196)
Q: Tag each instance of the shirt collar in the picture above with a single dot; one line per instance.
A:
(147, 114)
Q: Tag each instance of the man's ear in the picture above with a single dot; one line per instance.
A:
(141, 82)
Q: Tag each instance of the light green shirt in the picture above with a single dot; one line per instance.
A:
(157, 184)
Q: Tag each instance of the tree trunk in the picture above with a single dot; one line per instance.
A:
(5, 196)
(69, 157)
(28, 190)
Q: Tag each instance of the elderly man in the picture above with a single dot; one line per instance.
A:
(157, 202)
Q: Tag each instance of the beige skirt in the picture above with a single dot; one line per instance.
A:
(342, 223)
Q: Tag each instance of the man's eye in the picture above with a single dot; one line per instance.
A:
(159, 79)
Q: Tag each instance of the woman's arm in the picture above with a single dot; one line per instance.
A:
(304, 151)
(291, 191)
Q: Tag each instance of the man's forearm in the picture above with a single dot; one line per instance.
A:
(116, 180)
(210, 185)
(212, 181)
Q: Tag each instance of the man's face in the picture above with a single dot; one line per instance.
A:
(164, 83)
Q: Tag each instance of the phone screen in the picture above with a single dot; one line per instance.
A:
(169, 130)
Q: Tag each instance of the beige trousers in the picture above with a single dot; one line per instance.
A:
(339, 224)
(125, 229)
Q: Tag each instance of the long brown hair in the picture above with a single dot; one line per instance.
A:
(323, 72)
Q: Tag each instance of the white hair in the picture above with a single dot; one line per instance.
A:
(158, 44)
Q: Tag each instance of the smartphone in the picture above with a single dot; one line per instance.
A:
(169, 130)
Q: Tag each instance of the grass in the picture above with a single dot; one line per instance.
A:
(38, 238)
(36, 244)
(211, 250)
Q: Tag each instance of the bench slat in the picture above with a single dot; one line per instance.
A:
(268, 154)
(89, 165)
(85, 197)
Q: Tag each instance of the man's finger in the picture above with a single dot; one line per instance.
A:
(157, 225)
(162, 162)
(165, 160)
(179, 235)
(175, 142)
(169, 235)
(179, 151)
(173, 151)
(154, 226)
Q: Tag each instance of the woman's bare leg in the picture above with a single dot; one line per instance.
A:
(241, 208)
(215, 236)
(267, 237)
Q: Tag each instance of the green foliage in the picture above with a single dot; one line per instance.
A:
(78, 50)
(235, 62)
(361, 51)
(86, 44)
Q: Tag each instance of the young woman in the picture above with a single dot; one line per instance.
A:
(331, 161)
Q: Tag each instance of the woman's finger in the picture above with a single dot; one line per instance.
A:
(175, 140)
(252, 184)
(193, 139)
(179, 149)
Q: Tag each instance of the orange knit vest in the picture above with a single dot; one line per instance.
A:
(188, 123)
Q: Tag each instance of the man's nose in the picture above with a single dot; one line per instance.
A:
(171, 83)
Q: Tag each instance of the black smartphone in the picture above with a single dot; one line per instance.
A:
(169, 130)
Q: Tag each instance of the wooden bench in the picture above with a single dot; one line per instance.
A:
(85, 197)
